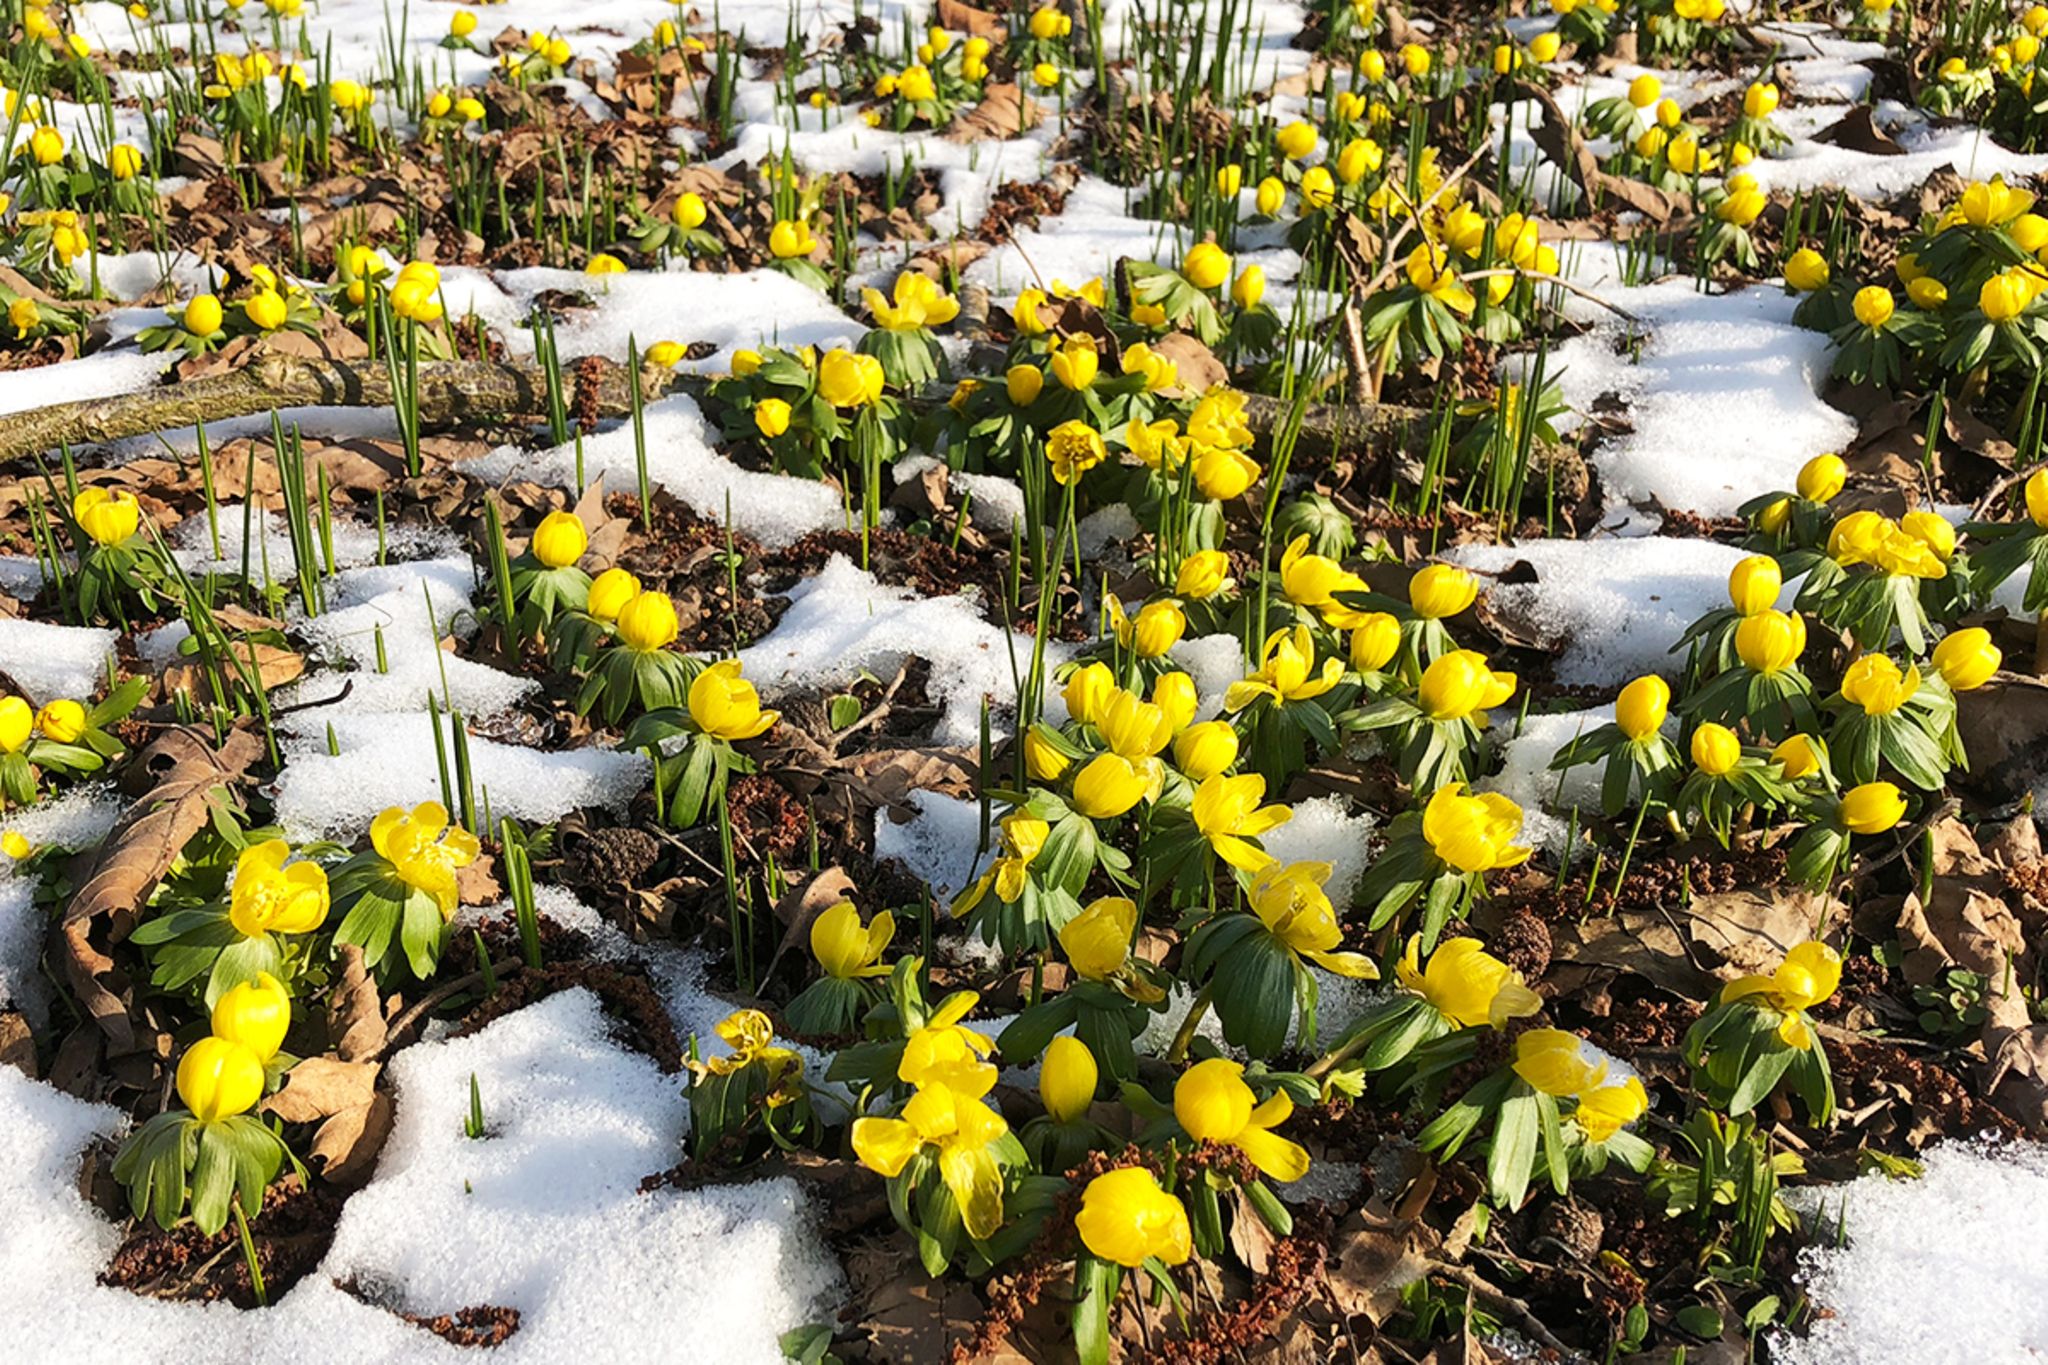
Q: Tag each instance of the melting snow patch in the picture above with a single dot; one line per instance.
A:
(937, 843)
(54, 661)
(775, 509)
(1943, 1270)
(1525, 776)
(842, 622)
(1616, 606)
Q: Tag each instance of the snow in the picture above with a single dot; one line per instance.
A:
(52, 661)
(355, 544)
(775, 509)
(1615, 606)
(842, 622)
(1526, 779)
(1934, 1270)
(544, 1215)
(938, 842)
(79, 818)
(1322, 832)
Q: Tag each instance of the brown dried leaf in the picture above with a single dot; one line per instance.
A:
(189, 775)
(355, 1012)
(965, 18)
(320, 1087)
(804, 902)
(272, 666)
(1004, 112)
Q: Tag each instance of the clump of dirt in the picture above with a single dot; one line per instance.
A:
(291, 1234)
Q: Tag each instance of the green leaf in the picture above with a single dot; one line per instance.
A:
(1095, 1285)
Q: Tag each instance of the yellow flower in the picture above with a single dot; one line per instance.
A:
(1088, 692)
(789, 240)
(1284, 672)
(1459, 684)
(771, 417)
(725, 705)
(1041, 758)
(1872, 305)
(1715, 749)
(1605, 1110)
(1202, 751)
(1202, 575)
(257, 1014)
(1760, 100)
(1742, 206)
(1132, 727)
(1125, 1217)
(24, 316)
(1156, 628)
(1097, 941)
(1809, 974)
(1160, 372)
(1807, 270)
(1075, 363)
(1927, 293)
(218, 1079)
(1046, 75)
(1543, 47)
(1797, 757)
(847, 951)
(961, 1128)
(1415, 60)
(1290, 901)
(108, 516)
(62, 721)
(849, 380)
(1642, 706)
(1932, 530)
(1754, 584)
(348, 96)
(1556, 1062)
(1296, 140)
(1645, 90)
(1992, 203)
(1770, 641)
(1467, 985)
(1073, 446)
(1023, 837)
(1066, 1079)
(271, 898)
(915, 83)
(1434, 275)
(15, 845)
(424, 849)
(1966, 659)
(1223, 472)
(1872, 808)
(1440, 590)
(17, 719)
(603, 263)
(559, 540)
(1229, 180)
(648, 622)
(745, 362)
(1213, 1104)
(920, 303)
(1874, 683)
(462, 23)
(1177, 697)
(946, 1052)
(1473, 832)
(1374, 642)
(1313, 580)
(2037, 497)
(1249, 287)
(609, 592)
(202, 316)
(2003, 297)
(1227, 813)
(1048, 23)
(1206, 265)
(1271, 194)
(1773, 518)
(46, 144)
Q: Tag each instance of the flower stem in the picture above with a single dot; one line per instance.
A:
(249, 1254)
(1186, 1036)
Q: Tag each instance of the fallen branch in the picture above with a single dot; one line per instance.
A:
(470, 392)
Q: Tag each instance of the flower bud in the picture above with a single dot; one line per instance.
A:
(1642, 706)
(1067, 1079)
(1715, 749)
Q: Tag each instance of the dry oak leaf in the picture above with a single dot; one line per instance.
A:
(354, 1116)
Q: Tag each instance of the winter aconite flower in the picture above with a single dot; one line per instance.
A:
(1875, 683)
(1202, 751)
(1642, 706)
(1966, 659)
(1754, 584)
(1374, 642)
(62, 721)
(1074, 448)
(919, 303)
(1440, 590)
(1227, 813)
(1460, 685)
(1097, 941)
(1872, 808)
(609, 592)
(1473, 832)
(1285, 672)
(1821, 477)
(1806, 271)
(946, 1052)
(648, 622)
(218, 1079)
(17, 722)
(849, 380)
(257, 1014)
(1206, 265)
(560, 539)
(1808, 975)
(1771, 641)
(1607, 1109)
(1797, 757)
(1213, 1103)
(1156, 628)
(1075, 363)
(960, 1128)
(270, 897)
(1466, 984)
(424, 850)
(1557, 1063)
(1290, 901)
(1127, 1218)
(846, 950)
(1023, 836)
(1067, 1079)
(108, 516)
(1715, 749)
(725, 705)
